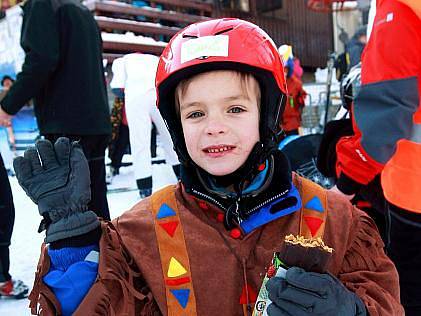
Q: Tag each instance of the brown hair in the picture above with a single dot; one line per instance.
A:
(247, 83)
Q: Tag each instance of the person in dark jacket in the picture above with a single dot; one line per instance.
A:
(355, 46)
(63, 72)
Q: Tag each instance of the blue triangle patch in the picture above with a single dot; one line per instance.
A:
(182, 296)
(165, 211)
(314, 204)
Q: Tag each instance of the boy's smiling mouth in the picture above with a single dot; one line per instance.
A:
(218, 150)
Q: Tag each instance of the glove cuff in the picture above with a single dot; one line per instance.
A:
(347, 185)
(90, 238)
(75, 224)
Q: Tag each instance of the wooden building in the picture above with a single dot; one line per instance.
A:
(287, 22)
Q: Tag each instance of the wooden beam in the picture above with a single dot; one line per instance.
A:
(124, 8)
(110, 57)
(134, 26)
(125, 48)
(201, 6)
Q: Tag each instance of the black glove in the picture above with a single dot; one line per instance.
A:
(326, 157)
(304, 293)
(60, 185)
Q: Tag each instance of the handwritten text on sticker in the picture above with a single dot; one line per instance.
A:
(204, 47)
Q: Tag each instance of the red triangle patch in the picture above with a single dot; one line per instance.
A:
(313, 224)
(169, 227)
(252, 295)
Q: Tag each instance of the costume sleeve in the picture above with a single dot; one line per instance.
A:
(40, 41)
(384, 108)
(70, 283)
(368, 272)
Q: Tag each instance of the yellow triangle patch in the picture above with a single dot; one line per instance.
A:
(175, 269)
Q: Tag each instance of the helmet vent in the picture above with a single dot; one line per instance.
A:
(189, 36)
(224, 31)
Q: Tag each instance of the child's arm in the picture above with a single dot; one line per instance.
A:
(366, 284)
(56, 178)
(300, 292)
(72, 278)
(367, 271)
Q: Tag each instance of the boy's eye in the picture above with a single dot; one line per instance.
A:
(236, 109)
(195, 115)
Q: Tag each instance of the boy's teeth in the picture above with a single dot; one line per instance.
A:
(217, 150)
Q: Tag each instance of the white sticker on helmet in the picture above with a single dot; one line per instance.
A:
(205, 46)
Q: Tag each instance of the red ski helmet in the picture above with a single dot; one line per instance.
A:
(222, 44)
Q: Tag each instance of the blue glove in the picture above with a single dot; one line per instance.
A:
(304, 293)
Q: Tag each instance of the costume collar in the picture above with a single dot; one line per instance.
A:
(239, 207)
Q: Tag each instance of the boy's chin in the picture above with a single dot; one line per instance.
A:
(221, 170)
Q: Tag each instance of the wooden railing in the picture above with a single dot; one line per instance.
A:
(106, 23)
(205, 8)
(100, 7)
(120, 17)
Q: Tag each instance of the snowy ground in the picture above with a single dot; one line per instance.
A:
(26, 241)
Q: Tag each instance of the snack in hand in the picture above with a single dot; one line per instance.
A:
(310, 254)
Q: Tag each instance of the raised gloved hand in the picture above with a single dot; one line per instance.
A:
(304, 293)
(56, 178)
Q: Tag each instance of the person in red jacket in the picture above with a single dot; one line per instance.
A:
(291, 118)
(387, 135)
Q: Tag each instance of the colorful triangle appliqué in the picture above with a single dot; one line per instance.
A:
(314, 204)
(182, 296)
(175, 269)
(165, 211)
(313, 224)
(169, 227)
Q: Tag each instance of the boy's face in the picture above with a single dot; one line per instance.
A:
(220, 120)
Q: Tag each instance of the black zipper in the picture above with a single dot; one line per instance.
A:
(236, 213)
(209, 198)
(265, 202)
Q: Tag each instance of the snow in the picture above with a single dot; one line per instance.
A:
(117, 20)
(26, 242)
(130, 37)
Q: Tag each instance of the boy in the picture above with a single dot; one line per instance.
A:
(202, 247)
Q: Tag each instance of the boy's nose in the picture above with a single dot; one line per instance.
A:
(215, 126)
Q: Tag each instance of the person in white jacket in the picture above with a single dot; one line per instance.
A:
(134, 75)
